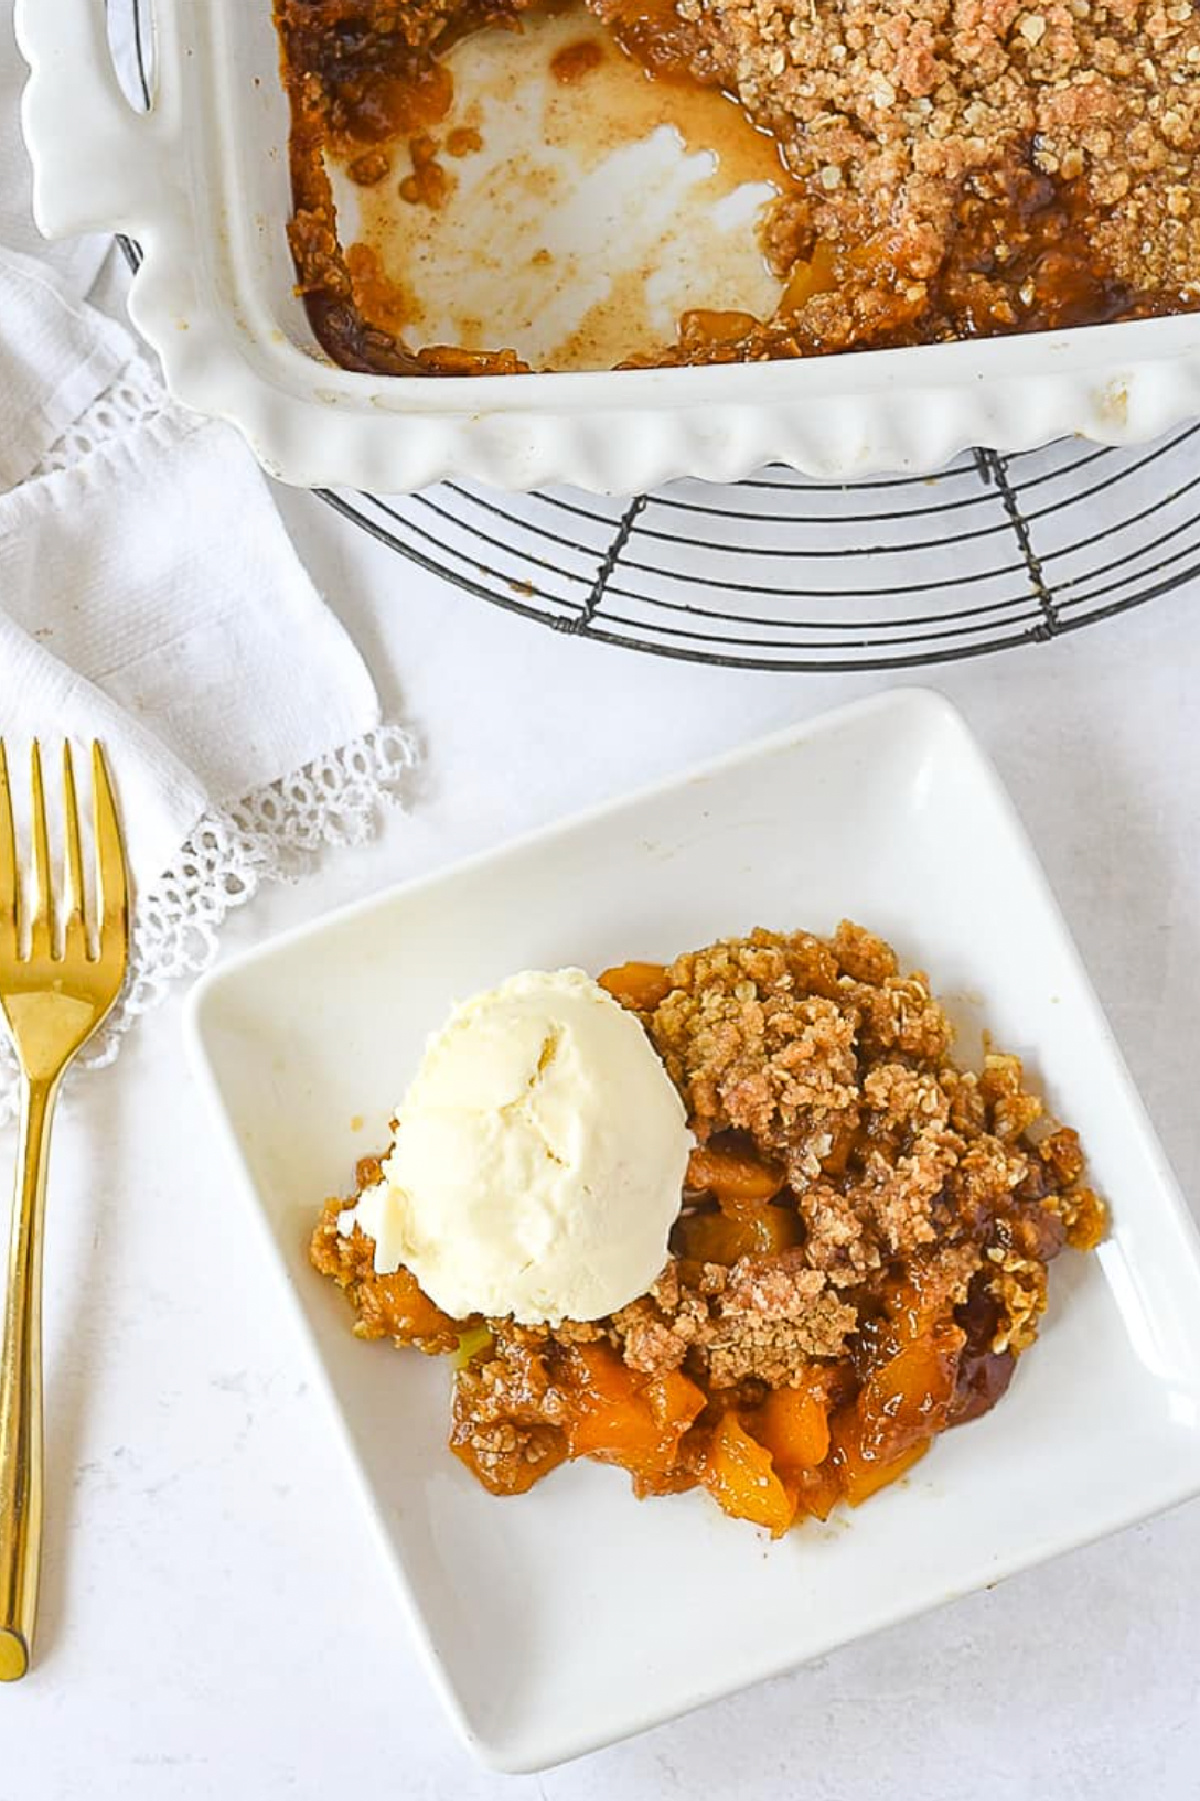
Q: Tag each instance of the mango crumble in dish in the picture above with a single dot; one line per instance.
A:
(860, 1254)
(945, 168)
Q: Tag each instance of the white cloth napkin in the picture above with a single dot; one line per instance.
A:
(150, 597)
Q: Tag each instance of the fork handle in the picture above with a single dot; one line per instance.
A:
(21, 1387)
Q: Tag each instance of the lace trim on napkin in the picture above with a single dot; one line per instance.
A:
(274, 835)
(135, 398)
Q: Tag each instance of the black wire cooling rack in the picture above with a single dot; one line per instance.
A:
(783, 573)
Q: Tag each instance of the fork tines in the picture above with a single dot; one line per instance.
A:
(35, 926)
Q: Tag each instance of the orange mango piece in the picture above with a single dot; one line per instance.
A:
(907, 1397)
(639, 986)
(625, 1435)
(674, 1400)
(817, 1491)
(737, 1178)
(793, 1425)
(396, 1306)
(817, 276)
(619, 1417)
(739, 1475)
(860, 1471)
(722, 1238)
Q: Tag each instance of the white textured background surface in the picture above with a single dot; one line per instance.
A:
(216, 1621)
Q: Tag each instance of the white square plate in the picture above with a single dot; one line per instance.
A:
(613, 1615)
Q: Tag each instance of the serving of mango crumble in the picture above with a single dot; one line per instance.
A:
(856, 1259)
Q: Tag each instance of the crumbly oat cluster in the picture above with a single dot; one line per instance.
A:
(891, 113)
(865, 1235)
(828, 1059)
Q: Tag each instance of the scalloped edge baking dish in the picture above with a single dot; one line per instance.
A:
(202, 183)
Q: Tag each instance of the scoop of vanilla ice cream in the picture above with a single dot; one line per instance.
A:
(539, 1157)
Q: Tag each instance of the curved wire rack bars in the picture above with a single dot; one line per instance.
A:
(783, 573)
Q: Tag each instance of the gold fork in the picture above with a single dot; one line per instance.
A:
(56, 986)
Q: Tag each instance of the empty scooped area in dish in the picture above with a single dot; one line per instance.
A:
(556, 201)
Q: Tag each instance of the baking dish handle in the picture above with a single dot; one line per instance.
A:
(97, 164)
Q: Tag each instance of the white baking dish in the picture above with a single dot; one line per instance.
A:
(202, 183)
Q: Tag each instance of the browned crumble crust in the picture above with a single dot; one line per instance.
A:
(890, 113)
(773, 1316)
